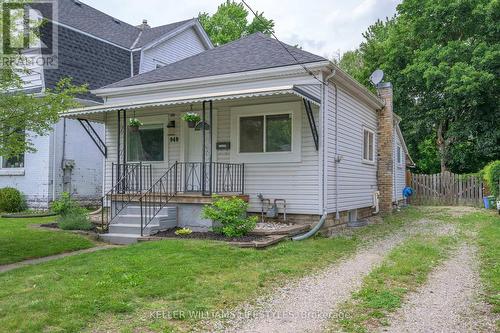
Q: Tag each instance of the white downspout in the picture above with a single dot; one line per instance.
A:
(337, 159)
(54, 158)
(323, 140)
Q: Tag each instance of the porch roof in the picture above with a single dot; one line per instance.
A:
(311, 93)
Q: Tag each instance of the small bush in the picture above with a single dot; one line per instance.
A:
(11, 200)
(231, 214)
(64, 205)
(75, 220)
(184, 232)
(491, 176)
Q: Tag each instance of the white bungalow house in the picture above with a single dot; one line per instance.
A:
(276, 124)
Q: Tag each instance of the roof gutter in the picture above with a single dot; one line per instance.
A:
(216, 79)
(351, 84)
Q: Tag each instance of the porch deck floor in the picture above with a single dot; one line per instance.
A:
(180, 198)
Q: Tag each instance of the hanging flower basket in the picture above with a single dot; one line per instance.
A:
(192, 119)
(134, 124)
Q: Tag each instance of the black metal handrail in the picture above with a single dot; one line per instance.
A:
(186, 177)
(132, 179)
(158, 196)
(225, 177)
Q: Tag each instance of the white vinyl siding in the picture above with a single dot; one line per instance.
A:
(32, 75)
(183, 45)
(296, 182)
(368, 146)
(399, 168)
(357, 180)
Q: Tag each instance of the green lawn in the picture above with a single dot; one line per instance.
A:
(117, 288)
(20, 242)
(405, 269)
(486, 228)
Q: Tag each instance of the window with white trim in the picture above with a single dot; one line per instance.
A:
(368, 146)
(16, 162)
(146, 144)
(399, 154)
(266, 133)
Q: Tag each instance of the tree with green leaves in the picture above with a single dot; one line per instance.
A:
(230, 22)
(23, 115)
(443, 58)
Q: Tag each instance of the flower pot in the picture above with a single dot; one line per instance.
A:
(134, 129)
(191, 124)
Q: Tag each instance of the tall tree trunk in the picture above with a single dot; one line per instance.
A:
(442, 146)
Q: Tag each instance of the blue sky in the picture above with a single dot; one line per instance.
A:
(324, 27)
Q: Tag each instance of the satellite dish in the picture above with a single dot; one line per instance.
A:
(377, 77)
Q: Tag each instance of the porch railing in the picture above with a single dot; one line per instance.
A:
(133, 182)
(225, 178)
(127, 181)
(158, 196)
(188, 177)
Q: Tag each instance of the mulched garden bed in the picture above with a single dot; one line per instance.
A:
(27, 215)
(50, 225)
(209, 236)
(55, 225)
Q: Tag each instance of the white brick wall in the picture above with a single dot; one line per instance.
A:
(35, 182)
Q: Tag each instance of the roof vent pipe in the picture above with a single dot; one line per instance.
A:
(144, 25)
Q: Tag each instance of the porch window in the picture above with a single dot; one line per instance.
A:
(146, 144)
(16, 162)
(266, 134)
(368, 146)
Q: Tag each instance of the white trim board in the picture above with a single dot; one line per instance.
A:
(293, 108)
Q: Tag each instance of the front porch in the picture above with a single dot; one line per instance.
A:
(166, 164)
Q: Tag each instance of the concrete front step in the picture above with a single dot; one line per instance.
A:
(120, 239)
(133, 229)
(126, 227)
(135, 219)
(136, 210)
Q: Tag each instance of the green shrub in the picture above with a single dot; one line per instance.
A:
(491, 176)
(231, 215)
(64, 205)
(11, 200)
(184, 232)
(76, 219)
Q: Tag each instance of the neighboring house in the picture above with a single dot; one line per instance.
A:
(95, 49)
(315, 138)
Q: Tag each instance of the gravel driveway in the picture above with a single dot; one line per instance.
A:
(308, 305)
(449, 302)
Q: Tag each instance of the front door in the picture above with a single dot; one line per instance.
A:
(194, 143)
(193, 157)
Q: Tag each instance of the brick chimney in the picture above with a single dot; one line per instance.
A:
(385, 148)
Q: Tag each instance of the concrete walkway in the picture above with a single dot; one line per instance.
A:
(10, 267)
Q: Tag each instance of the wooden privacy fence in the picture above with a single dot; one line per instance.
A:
(446, 189)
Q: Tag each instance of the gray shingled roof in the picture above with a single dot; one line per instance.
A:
(80, 16)
(151, 34)
(253, 52)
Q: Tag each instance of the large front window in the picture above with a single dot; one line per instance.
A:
(266, 134)
(146, 144)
